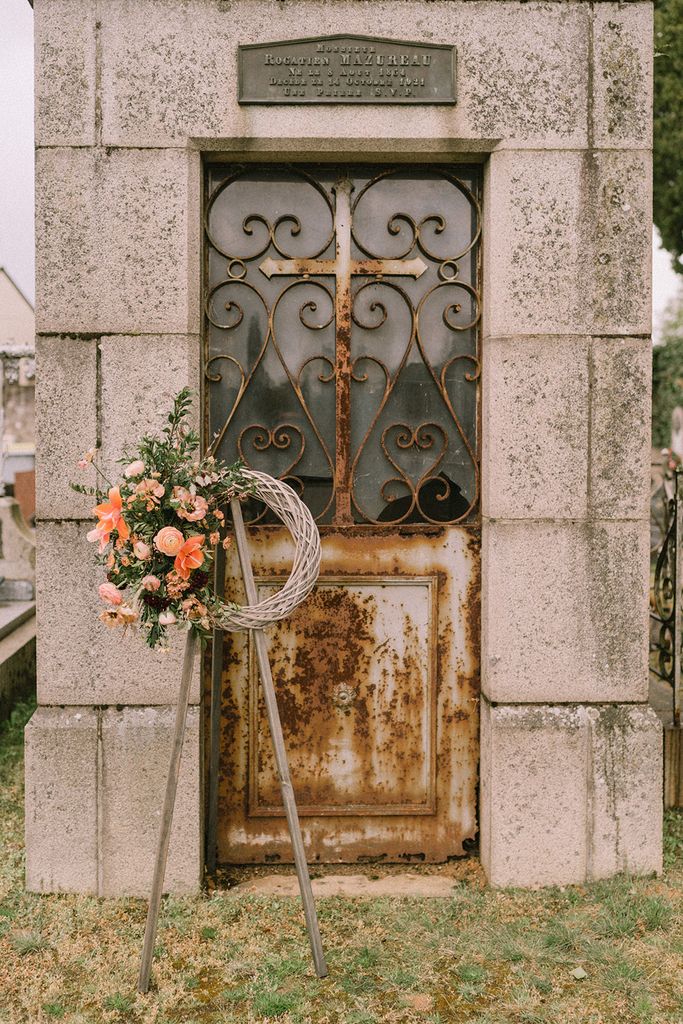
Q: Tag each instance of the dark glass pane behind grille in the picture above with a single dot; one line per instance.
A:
(342, 324)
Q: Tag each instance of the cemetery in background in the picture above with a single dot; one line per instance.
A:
(17, 496)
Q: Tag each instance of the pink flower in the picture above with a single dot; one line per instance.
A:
(148, 491)
(197, 510)
(167, 619)
(151, 583)
(169, 541)
(214, 537)
(109, 593)
(141, 550)
(136, 468)
(86, 459)
(193, 507)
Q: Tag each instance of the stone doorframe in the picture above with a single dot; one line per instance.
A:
(570, 751)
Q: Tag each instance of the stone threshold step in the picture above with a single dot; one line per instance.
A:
(407, 884)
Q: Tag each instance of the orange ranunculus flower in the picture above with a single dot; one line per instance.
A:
(190, 556)
(110, 517)
(168, 540)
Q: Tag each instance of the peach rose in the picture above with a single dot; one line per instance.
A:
(141, 550)
(190, 556)
(109, 593)
(169, 541)
(136, 468)
(167, 619)
(150, 583)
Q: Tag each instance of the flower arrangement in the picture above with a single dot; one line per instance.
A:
(158, 528)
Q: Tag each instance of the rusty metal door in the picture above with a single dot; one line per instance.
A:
(342, 312)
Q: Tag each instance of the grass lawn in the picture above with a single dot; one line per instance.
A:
(607, 953)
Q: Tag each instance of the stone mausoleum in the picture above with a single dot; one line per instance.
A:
(401, 251)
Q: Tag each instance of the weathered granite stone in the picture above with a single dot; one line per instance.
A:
(620, 428)
(616, 216)
(112, 241)
(136, 748)
(569, 243)
(533, 771)
(570, 794)
(65, 74)
(66, 422)
(558, 94)
(17, 658)
(80, 660)
(127, 365)
(61, 800)
(17, 543)
(92, 822)
(534, 246)
(622, 75)
(535, 415)
(564, 611)
(171, 77)
(624, 791)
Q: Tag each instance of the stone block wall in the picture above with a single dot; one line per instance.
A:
(554, 99)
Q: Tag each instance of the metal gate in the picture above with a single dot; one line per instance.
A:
(342, 315)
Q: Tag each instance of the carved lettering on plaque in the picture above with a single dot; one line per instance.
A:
(347, 69)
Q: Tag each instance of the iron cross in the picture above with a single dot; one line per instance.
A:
(343, 268)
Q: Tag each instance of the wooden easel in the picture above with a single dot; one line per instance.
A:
(280, 760)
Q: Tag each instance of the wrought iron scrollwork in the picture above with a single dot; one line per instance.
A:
(666, 614)
(355, 378)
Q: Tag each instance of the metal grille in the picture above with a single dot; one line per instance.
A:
(666, 581)
(342, 311)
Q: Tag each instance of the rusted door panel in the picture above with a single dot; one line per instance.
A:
(377, 681)
(341, 354)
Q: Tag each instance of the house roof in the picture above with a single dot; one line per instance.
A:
(17, 318)
(16, 287)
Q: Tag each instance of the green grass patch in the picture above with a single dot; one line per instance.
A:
(607, 953)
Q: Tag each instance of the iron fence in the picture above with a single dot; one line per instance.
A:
(666, 614)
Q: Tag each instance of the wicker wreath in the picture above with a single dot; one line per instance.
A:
(290, 510)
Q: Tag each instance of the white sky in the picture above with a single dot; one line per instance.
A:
(16, 161)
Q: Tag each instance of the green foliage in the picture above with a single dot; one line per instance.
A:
(54, 1010)
(667, 377)
(274, 1004)
(119, 1002)
(668, 125)
(28, 942)
(673, 838)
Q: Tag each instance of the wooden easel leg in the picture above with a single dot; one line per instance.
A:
(215, 723)
(279, 747)
(167, 814)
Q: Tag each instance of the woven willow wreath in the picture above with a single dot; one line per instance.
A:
(290, 510)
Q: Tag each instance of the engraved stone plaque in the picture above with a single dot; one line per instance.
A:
(346, 69)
